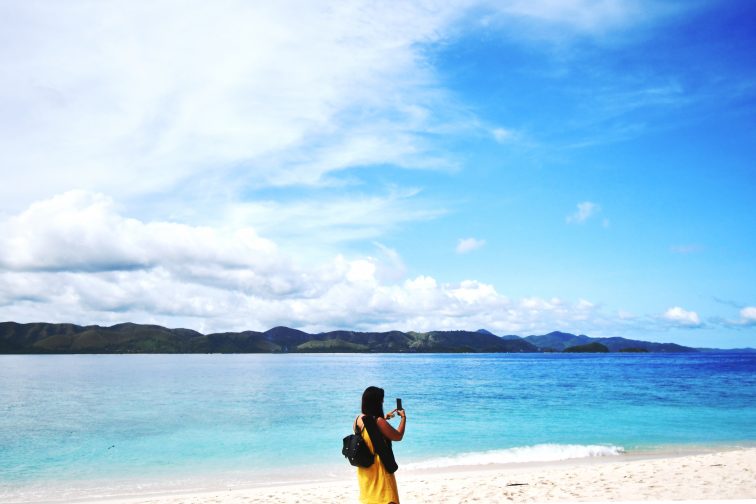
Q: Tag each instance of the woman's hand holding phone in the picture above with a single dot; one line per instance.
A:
(392, 414)
(398, 411)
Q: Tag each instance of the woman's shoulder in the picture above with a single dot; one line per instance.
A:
(376, 420)
(381, 422)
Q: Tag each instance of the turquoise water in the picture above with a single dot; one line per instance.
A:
(75, 421)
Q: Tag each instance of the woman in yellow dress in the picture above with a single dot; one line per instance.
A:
(377, 483)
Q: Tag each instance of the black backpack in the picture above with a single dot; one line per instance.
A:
(356, 450)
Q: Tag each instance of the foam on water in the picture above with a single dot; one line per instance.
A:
(520, 455)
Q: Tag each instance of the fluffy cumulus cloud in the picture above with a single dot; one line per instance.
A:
(682, 317)
(75, 257)
(465, 245)
(81, 231)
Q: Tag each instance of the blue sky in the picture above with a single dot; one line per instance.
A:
(575, 165)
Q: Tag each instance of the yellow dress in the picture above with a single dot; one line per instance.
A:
(376, 485)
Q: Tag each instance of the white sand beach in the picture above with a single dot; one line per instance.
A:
(709, 476)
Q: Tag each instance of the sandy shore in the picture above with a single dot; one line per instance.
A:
(720, 475)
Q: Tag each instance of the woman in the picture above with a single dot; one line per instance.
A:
(377, 482)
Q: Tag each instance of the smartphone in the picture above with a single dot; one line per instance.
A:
(399, 404)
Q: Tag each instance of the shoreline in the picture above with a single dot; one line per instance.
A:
(675, 473)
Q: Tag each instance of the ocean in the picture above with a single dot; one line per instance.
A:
(100, 425)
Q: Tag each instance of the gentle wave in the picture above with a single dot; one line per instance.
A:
(520, 454)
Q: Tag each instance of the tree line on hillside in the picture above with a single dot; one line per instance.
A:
(46, 338)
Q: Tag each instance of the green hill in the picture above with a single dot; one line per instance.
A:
(588, 348)
(559, 341)
(44, 338)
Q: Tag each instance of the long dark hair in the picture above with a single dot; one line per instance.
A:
(372, 402)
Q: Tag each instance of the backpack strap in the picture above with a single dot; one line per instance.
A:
(354, 428)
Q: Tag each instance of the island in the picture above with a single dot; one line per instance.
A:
(49, 338)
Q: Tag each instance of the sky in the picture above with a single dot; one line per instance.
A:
(522, 166)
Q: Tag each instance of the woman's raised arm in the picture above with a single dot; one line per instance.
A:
(388, 431)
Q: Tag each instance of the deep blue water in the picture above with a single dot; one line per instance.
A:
(79, 418)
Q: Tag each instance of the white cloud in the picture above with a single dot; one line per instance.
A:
(466, 245)
(361, 271)
(421, 283)
(474, 292)
(748, 315)
(682, 317)
(333, 220)
(585, 210)
(389, 266)
(560, 19)
(581, 14)
(76, 258)
(175, 92)
(585, 305)
(502, 135)
(160, 97)
(82, 231)
(625, 315)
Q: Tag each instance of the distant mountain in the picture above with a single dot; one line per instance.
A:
(619, 344)
(136, 338)
(466, 341)
(559, 341)
(511, 337)
(588, 348)
(733, 350)
(121, 338)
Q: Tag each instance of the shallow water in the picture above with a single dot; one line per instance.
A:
(69, 421)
